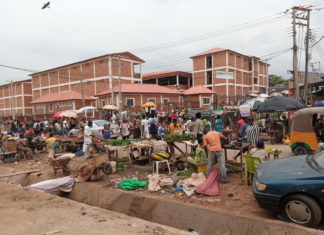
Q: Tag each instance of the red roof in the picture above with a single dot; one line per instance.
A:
(197, 90)
(122, 54)
(66, 95)
(165, 74)
(141, 88)
(211, 51)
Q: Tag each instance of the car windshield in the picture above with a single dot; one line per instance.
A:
(101, 123)
(318, 160)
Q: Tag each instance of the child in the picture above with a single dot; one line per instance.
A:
(259, 151)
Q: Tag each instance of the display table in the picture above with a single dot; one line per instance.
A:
(234, 147)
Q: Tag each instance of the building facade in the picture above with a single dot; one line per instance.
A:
(173, 79)
(90, 76)
(229, 73)
(15, 100)
(135, 95)
(47, 105)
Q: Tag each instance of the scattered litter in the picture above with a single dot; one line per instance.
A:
(230, 195)
(52, 232)
(131, 184)
(64, 184)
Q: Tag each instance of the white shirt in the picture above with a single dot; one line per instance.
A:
(87, 135)
(124, 129)
(145, 124)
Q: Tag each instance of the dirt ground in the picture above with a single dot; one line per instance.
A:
(235, 196)
(42, 213)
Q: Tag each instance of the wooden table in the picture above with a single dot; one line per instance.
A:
(234, 147)
(189, 144)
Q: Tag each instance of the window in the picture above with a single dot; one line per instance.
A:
(205, 100)
(151, 100)
(250, 65)
(209, 62)
(103, 103)
(180, 100)
(130, 102)
(165, 101)
(51, 107)
(209, 78)
(255, 80)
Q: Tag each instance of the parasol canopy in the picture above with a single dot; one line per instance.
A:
(149, 104)
(57, 115)
(109, 107)
(280, 104)
(86, 109)
(69, 114)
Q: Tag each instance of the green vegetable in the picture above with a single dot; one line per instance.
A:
(179, 137)
(118, 142)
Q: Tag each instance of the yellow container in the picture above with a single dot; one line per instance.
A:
(202, 169)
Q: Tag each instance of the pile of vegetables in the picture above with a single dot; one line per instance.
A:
(114, 142)
(179, 137)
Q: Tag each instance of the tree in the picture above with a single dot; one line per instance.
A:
(275, 80)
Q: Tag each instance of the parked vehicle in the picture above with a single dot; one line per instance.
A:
(303, 138)
(98, 126)
(293, 187)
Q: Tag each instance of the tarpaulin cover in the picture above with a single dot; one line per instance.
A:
(64, 184)
(132, 184)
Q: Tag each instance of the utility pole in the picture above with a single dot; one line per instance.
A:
(295, 55)
(306, 57)
(82, 89)
(11, 102)
(119, 84)
(111, 81)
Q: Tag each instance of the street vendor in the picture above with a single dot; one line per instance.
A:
(160, 150)
(22, 146)
(87, 138)
(215, 153)
(200, 156)
(50, 142)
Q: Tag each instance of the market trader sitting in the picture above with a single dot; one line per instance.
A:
(160, 150)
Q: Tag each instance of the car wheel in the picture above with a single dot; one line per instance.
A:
(303, 210)
(300, 151)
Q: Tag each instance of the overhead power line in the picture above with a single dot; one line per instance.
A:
(22, 69)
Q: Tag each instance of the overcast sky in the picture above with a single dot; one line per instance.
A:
(165, 33)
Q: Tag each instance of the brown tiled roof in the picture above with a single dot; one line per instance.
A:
(197, 90)
(94, 58)
(165, 74)
(62, 96)
(140, 89)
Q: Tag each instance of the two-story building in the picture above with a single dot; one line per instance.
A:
(229, 74)
(15, 100)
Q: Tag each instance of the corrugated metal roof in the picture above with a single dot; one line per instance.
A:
(196, 90)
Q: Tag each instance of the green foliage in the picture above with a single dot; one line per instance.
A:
(118, 142)
(275, 80)
(179, 137)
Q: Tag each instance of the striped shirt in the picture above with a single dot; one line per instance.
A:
(253, 134)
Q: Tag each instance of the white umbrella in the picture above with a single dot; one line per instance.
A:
(86, 108)
(69, 114)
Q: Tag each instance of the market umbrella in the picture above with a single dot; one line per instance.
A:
(280, 104)
(149, 104)
(57, 115)
(86, 109)
(109, 107)
(69, 114)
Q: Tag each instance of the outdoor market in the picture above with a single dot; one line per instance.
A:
(202, 157)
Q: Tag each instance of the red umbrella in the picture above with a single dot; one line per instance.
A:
(58, 114)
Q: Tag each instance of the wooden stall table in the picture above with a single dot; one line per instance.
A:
(172, 146)
(145, 148)
(234, 147)
(275, 154)
(189, 144)
(113, 150)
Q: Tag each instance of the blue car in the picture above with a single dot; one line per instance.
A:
(294, 187)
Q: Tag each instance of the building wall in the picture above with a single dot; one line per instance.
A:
(15, 100)
(227, 61)
(164, 102)
(95, 75)
(196, 101)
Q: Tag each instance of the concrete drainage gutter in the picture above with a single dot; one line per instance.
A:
(180, 215)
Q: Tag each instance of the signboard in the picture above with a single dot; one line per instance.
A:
(224, 75)
(245, 110)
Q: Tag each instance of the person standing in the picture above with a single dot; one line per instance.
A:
(199, 127)
(219, 124)
(145, 125)
(124, 129)
(87, 138)
(162, 131)
(252, 133)
(171, 127)
(50, 142)
(137, 128)
(215, 153)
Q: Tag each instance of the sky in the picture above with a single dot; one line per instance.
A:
(164, 33)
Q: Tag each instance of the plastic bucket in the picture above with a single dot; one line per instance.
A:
(202, 169)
